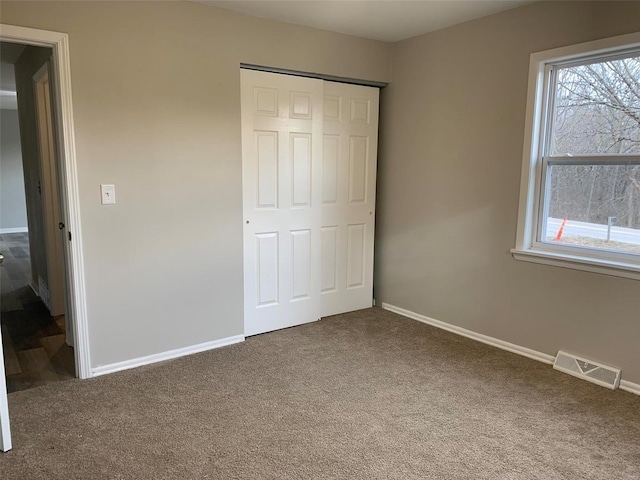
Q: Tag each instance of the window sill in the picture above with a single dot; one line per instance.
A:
(576, 262)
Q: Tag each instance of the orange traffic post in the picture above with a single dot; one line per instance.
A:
(559, 236)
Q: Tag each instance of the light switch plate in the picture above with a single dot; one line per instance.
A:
(108, 194)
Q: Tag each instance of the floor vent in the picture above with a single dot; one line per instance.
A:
(588, 370)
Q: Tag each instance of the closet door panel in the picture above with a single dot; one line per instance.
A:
(350, 131)
(282, 195)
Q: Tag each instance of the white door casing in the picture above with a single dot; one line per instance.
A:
(350, 144)
(281, 167)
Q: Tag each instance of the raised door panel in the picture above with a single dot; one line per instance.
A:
(355, 255)
(266, 169)
(330, 158)
(265, 101)
(358, 163)
(329, 242)
(332, 108)
(360, 110)
(301, 264)
(267, 274)
(300, 105)
(301, 169)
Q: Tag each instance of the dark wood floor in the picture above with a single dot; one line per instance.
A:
(35, 352)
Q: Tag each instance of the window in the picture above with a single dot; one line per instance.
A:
(580, 191)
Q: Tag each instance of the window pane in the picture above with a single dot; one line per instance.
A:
(590, 198)
(597, 109)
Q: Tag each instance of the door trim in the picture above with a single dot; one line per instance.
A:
(69, 191)
(5, 429)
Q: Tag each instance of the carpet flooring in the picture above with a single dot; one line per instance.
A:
(366, 395)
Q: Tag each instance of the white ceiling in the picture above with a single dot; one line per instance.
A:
(387, 20)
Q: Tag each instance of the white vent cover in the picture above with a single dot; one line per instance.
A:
(588, 370)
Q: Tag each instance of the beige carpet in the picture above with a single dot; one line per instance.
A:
(368, 395)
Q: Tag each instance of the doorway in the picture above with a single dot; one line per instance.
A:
(59, 133)
(37, 349)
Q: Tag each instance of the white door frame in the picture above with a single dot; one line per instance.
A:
(5, 430)
(69, 191)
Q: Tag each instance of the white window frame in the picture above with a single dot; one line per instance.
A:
(535, 162)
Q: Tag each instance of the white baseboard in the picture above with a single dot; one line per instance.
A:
(160, 357)
(510, 347)
(14, 230)
(630, 387)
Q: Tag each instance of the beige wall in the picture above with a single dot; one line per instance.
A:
(449, 172)
(13, 208)
(156, 94)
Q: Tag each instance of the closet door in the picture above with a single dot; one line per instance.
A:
(350, 144)
(281, 168)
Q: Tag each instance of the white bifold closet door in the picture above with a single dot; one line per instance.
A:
(308, 172)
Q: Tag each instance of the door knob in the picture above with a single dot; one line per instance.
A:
(1, 257)
(61, 226)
